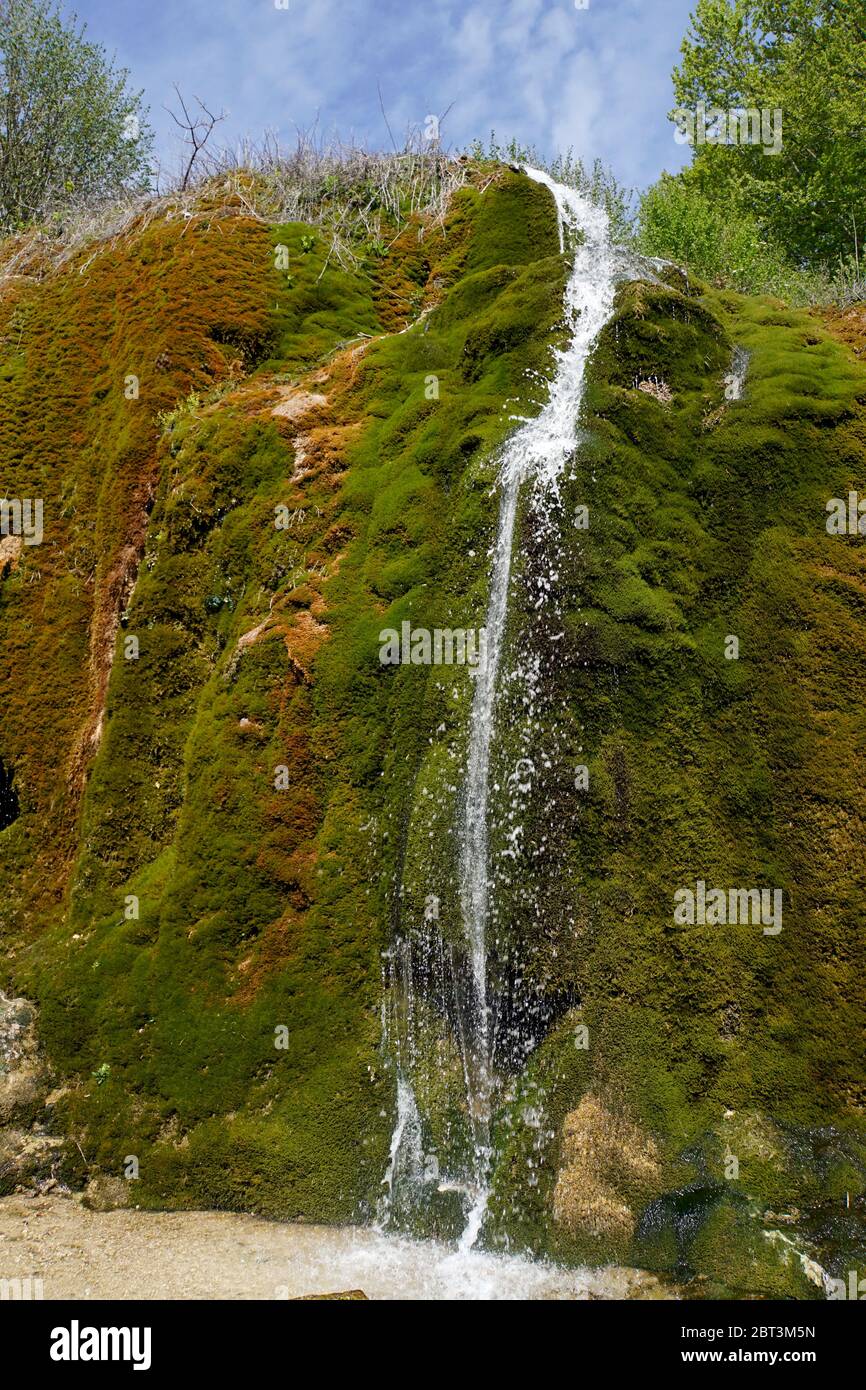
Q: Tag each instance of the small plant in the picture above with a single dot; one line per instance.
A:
(169, 419)
(102, 1073)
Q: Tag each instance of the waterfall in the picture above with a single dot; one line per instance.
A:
(736, 378)
(537, 454)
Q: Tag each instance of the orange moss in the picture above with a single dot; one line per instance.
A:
(849, 326)
(175, 305)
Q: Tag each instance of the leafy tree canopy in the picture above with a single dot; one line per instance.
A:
(806, 58)
(70, 128)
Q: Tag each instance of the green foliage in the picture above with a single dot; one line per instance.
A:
(70, 129)
(170, 419)
(805, 58)
(679, 221)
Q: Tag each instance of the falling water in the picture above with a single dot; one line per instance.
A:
(537, 452)
(736, 378)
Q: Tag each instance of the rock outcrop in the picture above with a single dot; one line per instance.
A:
(29, 1153)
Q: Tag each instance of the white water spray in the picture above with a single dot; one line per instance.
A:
(537, 454)
(406, 1139)
(538, 451)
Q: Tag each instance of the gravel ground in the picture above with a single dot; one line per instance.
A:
(82, 1254)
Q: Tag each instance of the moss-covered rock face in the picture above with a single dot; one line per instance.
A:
(248, 470)
(253, 462)
(733, 1054)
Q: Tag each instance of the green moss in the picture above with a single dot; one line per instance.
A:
(737, 1255)
(316, 304)
(707, 519)
(178, 909)
(209, 908)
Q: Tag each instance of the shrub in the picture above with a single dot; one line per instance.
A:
(679, 222)
(69, 126)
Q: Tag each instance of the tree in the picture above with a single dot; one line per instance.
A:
(70, 129)
(807, 59)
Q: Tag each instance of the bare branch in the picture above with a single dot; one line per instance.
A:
(385, 118)
(197, 130)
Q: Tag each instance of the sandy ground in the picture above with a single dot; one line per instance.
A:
(81, 1254)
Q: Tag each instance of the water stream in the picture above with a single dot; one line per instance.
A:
(535, 456)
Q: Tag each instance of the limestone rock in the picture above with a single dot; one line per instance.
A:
(27, 1159)
(330, 1297)
(605, 1158)
(23, 1076)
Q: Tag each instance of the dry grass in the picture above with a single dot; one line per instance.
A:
(360, 200)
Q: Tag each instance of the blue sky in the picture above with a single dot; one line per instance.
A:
(546, 71)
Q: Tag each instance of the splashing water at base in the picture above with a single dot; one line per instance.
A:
(226, 1255)
(393, 1267)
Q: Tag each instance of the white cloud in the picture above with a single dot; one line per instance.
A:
(539, 70)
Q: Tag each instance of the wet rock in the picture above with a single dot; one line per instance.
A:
(325, 1297)
(739, 1256)
(607, 1168)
